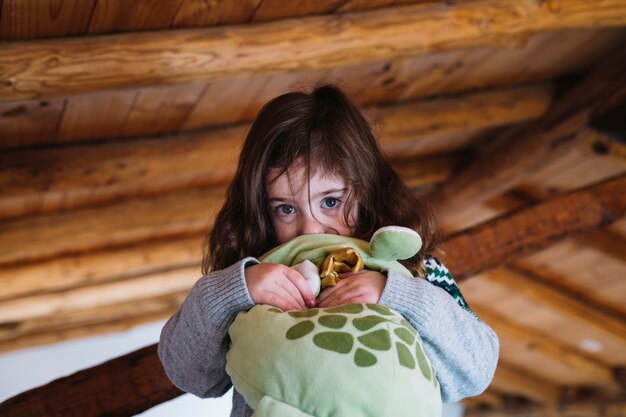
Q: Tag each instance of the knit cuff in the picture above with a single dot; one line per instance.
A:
(224, 293)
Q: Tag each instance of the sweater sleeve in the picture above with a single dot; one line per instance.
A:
(462, 348)
(194, 341)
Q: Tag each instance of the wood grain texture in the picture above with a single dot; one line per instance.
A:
(212, 13)
(502, 165)
(50, 180)
(101, 115)
(74, 271)
(590, 371)
(46, 236)
(88, 322)
(513, 380)
(29, 19)
(25, 123)
(74, 300)
(144, 59)
(592, 407)
(540, 225)
(111, 16)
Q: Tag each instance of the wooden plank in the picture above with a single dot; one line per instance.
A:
(95, 116)
(25, 123)
(506, 163)
(593, 371)
(89, 322)
(211, 13)
(511, 380)
(593, 407)
(97, 63)
(280, 9)
(74, 271)
(73, 300)
(540, 225)
(162, 110)
(598, 324)
(28, 19)
(119, 383)
(53, 235)
(72, 177)
(411, 126)
(24, 404)
(120, 15)
(92, 174)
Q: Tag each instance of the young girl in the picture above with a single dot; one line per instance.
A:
(311, 164)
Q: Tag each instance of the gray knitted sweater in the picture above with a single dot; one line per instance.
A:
(462, 348)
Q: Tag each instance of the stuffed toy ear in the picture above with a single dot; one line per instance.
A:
(395, 242)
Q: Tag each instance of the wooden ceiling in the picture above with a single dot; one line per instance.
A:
(120, 124)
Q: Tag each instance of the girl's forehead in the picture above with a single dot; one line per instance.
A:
(296, 177)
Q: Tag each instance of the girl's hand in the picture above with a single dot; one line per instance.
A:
(360, 287)
(279, 286)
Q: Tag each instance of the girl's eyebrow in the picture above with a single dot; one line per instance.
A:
(321, 193)
(331, 191)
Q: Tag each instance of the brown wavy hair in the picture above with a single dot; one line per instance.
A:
(326, 130)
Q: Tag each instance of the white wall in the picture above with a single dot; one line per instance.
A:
(26, 369)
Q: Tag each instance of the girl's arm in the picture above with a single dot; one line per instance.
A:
(462, 348)
(194, 341)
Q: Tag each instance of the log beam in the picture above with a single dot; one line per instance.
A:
(55, 68)
(603, 200)
(540, 225)
(587, 408)
(510, 160)
(119, 387)
(40, 181)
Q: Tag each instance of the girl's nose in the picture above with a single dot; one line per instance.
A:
(310, 226)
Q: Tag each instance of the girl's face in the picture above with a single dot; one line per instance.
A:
(301, 207)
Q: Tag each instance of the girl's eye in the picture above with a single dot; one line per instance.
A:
(330, 202)
(285, 209)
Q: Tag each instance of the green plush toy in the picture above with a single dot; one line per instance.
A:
(356, 360)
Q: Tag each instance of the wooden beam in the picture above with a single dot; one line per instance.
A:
(597, 372)
(73, 271)
(119, 387)
(515, 381)
(56, 68)
(40, 181)
(602, 198)
(52, 235)
(89, 322)
(540, 225)
(586, 408)
(509, 161)
(566, 306)
(126, 290)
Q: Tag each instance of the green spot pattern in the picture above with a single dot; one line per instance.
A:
(404, 356)
(333, 321)
(378, 340)
(380, 334)
(301, 329)
(365, 323)
(405, 335)
(363, 358)
(307, 313)
(336, 341)
(346, 309)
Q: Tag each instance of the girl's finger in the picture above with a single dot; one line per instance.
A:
(329, 291)
(284, 294)
(286, 284)
(340, 296)
(302, 286)
(278, 302)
